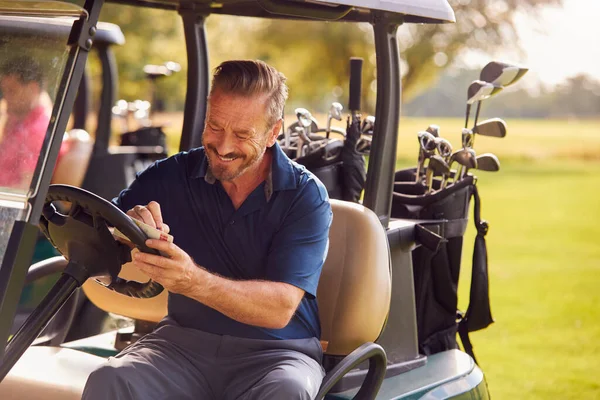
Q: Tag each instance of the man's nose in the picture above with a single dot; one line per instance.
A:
(226, 143)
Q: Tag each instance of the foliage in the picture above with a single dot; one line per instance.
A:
(313, 55)
(480, 25)
(578, 96)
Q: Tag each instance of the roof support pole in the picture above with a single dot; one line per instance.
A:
(110, 79)
(382, 160)
(197, 78)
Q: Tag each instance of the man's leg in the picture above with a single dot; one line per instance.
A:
(273, 374)
(153, 368)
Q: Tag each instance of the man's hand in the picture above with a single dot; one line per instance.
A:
(176, 270)
(150, 215)
(254, 302)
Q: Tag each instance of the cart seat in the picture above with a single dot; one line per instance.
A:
(50, 373)
(354, 298)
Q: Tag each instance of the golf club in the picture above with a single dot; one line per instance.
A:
(478, 91)
(335, 112)
(368, 124)
(436, 166)
(427, 147)
(434, 130)
(493, 127)
(488, 162)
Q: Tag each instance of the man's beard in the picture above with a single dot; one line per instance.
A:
(222, 171)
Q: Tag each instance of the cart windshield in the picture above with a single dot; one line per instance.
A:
(33, 55)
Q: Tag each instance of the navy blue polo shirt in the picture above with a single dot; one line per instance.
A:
(280, 233)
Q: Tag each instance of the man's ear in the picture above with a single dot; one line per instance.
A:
(274, 132)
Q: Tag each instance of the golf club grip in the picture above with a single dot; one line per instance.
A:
(355, 83)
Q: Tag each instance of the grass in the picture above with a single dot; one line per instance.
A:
(544, 256)
(544, 263)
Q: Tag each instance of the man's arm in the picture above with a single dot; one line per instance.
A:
(260, 303)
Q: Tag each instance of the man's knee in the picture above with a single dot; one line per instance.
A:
(290, 384)
(106, 382)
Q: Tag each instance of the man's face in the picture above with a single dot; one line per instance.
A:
(19, 95)
(236, 134)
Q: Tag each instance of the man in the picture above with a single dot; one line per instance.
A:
(251, 235)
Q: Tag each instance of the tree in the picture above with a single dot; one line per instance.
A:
(480, 25)
(314, 55)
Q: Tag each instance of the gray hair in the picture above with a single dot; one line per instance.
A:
(249, 78)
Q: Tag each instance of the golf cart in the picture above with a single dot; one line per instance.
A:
(366, 295)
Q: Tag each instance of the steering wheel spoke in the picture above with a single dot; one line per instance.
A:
(84, 238)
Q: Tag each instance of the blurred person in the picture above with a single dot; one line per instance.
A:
(26, 110)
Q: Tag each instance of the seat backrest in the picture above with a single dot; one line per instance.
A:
(355, 287)
(354, 290)
(72, 165)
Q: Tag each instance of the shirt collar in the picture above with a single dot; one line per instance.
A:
(281, 176)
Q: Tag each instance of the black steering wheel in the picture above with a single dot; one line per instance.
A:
(83, 237)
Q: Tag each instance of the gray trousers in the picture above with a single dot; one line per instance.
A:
(180, 363)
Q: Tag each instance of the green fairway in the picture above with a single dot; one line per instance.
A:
(544, 265)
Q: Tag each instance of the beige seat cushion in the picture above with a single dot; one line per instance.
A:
(49, 373)
(355, 287)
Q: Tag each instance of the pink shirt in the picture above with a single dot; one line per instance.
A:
(21, 145)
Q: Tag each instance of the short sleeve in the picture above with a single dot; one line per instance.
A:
(142, 190)
(299, 248)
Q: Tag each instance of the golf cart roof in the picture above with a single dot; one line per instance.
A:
(409, 11)
(57, 27)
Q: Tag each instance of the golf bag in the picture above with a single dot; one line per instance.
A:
(443, 219)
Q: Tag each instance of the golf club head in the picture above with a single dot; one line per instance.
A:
(427, 147)
(444, 148)
(467, 137)
(427, 141)
(480, 90)
(438, 165)
(304, 117)
(465, 157)
(488, 162)
(336, 111)
(368, 124)
(494, 127)
(501, 73)
(434, 130)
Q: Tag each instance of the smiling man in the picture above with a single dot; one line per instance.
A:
(251, 235)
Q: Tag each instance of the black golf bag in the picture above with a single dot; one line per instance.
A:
(436, 263)
(339, 164)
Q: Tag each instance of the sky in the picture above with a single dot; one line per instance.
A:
(560, 43)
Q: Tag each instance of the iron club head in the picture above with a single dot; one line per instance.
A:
(481, 90)
(494, 127)
(368, 124)
(427, 147)
(436, 166)
(434, 130)
(488, 162)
